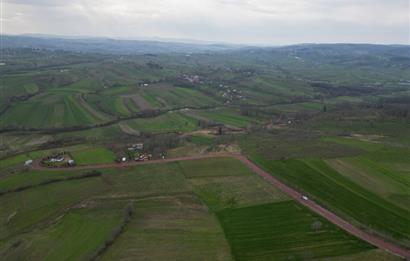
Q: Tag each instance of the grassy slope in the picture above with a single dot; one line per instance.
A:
(339, 193)
(172, 97)
(171, 228)
(164, 123)
(21, 158)
(77, 234)
(391, 184)
(213, 167)
(284, 231)
(383, 168)
(227, 116)
(23, 179)
(23, 210)
(170, 218)
(49, 110)
(18, 160)
(226, 182)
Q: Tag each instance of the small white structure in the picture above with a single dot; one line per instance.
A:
(71, 162)
(123, 159)
(28, 162)
(138, 146)
(58, 159)
(305, 197)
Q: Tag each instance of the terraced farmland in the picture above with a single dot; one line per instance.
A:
(113, 105)
(172, 97)
(47, 111)
(331, 121)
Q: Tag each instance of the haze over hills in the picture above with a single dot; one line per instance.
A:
(113, 46)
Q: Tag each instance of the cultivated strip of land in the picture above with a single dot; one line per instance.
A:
(315, 207)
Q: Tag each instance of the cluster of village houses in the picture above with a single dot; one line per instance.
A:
(190, 78)
(136, 153)
(59, 158)
(54, 160)
(230, 93)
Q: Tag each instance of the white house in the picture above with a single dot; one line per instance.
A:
(28, 162)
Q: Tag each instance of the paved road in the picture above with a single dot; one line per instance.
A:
(333, 218)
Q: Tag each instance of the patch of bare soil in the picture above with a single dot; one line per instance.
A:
(229, 148)
(366, 137)
(140, 102)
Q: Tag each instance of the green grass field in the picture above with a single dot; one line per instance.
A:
(49, 110)
(28, 209)
(390, 181)
(216, 167)
(352, 157)
(229, 117)
(19, 159)
(284, 231)
(93, 155)
(311, 106)
(178, 213)
(169, 122)
(383, 168)
(175, 97)
(340, 194)
(235, 191)
(171, 228)
(74, 236)
(26, 178)
(202, 140)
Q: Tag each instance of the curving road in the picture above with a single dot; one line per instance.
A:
(315, 207)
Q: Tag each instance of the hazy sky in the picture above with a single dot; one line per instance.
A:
(238, 21)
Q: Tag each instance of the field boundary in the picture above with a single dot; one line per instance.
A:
(294, 194)
(91, 174)
(73, 128)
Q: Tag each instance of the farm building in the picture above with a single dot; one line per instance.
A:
(57, 159)
(138, 146)
(71, 162)
(28, 162)
(144, 157)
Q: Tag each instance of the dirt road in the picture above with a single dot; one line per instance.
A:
(315, 207)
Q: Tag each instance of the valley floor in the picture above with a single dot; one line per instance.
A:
(169, 219)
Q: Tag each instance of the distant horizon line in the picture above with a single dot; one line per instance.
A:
(188, 40)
